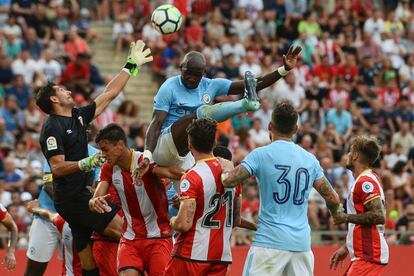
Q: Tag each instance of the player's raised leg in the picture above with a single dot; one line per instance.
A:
(225, 110)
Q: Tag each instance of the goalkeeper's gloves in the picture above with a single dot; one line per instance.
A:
(137, 56)
(89, 163)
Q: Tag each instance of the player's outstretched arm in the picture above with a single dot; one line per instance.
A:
(137, 57)
(232, 177)
(10, 260)
(60, 167)
(332, 200)
(184, 219)
(172, 172)
(289, 62)
(374, 214)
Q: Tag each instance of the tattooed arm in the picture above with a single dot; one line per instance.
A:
(374, 214)
(332, 200)
(184, 219)
(230, 178)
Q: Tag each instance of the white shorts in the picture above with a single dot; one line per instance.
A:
(266, 261)
(43, 239)
(166, 154)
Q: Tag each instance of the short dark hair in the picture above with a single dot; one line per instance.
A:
(223, 152)
(202, 134)
(284, 118)
(43, 97)
(112, 133)
(368, 148)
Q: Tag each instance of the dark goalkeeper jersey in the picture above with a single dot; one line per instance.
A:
(67, 136)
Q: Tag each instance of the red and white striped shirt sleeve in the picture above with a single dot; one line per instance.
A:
(189, 186)
(367, 189)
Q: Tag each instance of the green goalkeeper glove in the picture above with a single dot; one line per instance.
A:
(137, 56)
(89, 163)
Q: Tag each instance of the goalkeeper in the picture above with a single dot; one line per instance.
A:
(64, 144)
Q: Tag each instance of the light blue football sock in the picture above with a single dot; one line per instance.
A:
(225, 110)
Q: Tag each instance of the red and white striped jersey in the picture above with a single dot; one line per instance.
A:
(366, 242)
(145, 206)
(71, 262)
(209, 237)
(3, 212)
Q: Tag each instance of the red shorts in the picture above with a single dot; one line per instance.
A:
(104, 254)
(180, 267)
(150, 255)
(364, 268)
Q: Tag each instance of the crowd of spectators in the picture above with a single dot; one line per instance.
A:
(355, 76)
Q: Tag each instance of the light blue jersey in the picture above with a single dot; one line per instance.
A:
(44, 199)
(285, 173)
(173, 97)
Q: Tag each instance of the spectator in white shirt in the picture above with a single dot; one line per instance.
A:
(25, 66)
(234, 47)
(403, 138)
(375, 26)
(290, 90)
(258, 135)
(50, 67)
(397, 155)
(264, 113)
(212, 52)
(252, 7)
(122, 33)
(242, 26)
(251, 64)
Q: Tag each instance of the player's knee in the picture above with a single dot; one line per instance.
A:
(86, 258)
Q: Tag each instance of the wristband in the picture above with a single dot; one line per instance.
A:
(147, 155)
(282, 71)
(130, 68)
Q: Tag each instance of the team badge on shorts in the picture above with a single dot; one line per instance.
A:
(206, 98)
(367, 187)
(184, 185)
(51, 143)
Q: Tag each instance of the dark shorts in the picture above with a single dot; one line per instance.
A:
(82, 221)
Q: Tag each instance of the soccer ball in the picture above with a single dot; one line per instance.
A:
(166, 19)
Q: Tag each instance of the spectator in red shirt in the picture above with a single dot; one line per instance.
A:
(349, 70)
(250, 203)
(325, 71)
(339, 92)
(76, 76)
(76, 45)
(194, 33)
(390, 95)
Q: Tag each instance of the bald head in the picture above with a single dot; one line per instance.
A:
(192, 69)
(194, 60)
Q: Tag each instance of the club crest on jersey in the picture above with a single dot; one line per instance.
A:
(367, 187)
(206, 98)
(80, 120)
(184, 185)
(51, 143)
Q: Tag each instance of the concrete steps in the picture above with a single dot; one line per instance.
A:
(140, 89)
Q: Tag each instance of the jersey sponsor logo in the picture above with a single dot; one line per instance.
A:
(69, 131)
(206, 98)
(116, 181)
(367, 187)
(184, 185)
(51, 143)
